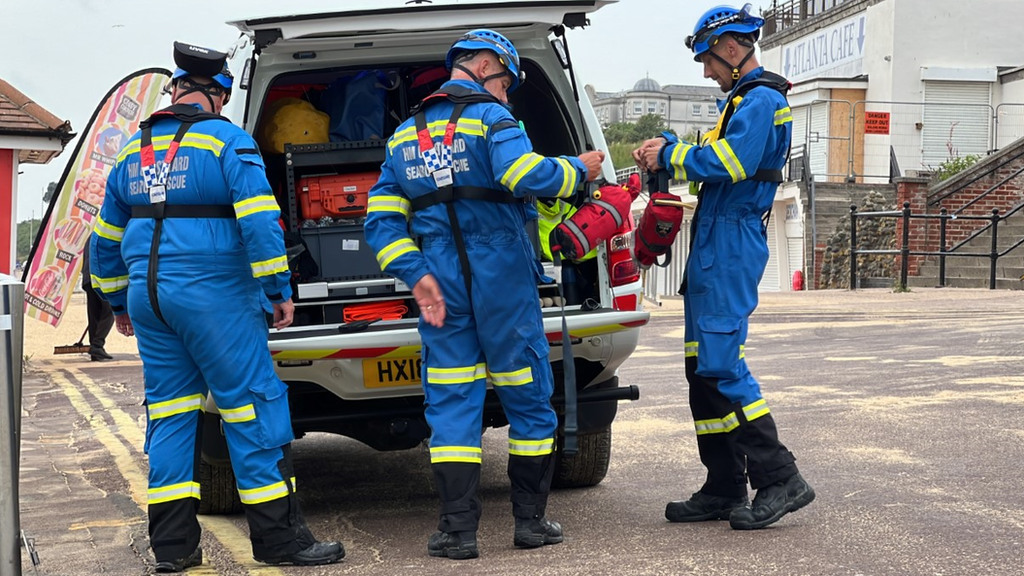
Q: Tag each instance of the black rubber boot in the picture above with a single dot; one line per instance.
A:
(315, 555)
(536, 532)
(773, 502)
(701, 507)
(454, 545)
(171, 566)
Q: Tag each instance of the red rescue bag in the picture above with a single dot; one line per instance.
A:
(659, 223)
(596, 220)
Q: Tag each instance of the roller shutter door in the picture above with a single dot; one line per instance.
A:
(947, 122)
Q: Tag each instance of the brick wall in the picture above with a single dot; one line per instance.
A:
(923, 233)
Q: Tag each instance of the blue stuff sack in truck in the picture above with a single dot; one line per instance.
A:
(357, 106)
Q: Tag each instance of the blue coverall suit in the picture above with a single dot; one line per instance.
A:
(215, 276)
(496, 334)
(736, 434)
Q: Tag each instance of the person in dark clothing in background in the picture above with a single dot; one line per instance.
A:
(101, 317)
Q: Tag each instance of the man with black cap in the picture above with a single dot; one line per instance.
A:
(187, 243)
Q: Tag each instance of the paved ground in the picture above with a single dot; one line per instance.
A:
(903, 411)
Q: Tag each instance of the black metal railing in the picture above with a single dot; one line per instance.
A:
(944, 217)
(791, 13)
(991, 170)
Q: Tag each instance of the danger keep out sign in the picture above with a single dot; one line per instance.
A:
(876, 122)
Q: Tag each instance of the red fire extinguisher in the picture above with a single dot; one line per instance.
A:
(798, 281)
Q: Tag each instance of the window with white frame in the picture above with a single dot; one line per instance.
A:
(638, 107)
(696, 110)
(651, 107)
(662, 108)
(712, 110)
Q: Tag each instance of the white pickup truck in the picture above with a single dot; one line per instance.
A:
(365, 383)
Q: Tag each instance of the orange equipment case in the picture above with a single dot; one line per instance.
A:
(339, 196)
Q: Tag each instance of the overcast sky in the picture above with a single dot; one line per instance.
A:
(66, 54)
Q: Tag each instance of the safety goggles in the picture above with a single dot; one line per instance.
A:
(212, 88)
(705, 33)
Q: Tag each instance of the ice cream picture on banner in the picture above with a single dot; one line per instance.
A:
(58, 259)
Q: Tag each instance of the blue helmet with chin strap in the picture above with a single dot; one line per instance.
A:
(483, 39)
(224, 78)
(720, 20)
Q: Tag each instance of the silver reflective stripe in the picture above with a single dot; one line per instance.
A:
(611, 209)
(579, 236)
(517, 378)
(461, 375)
(264, 494)
(755, 410)
(173, 492)
(531, 447)
(176, 406)
(717, 425)
(255, 204)
(238, 415)
(468, 454)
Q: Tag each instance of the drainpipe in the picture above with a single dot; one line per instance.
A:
(811, 192)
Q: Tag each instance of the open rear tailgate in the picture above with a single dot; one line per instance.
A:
(363, 20)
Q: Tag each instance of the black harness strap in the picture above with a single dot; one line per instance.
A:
(452, 193)
(447, 195)
(188, 115)
(453, 219)
(775, 82)
(164, 210)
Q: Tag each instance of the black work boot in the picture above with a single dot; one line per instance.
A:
(170, 566)
(454, 545)
(536, 532)
(98, 354)
(316, 554)
(702, 507)
(773, 502)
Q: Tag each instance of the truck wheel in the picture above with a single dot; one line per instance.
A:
(217, 490)
(590, 463)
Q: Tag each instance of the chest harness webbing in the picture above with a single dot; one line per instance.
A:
(155, 179)
(770, 80)
(439, 163)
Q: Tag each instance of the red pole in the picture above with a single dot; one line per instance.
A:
(8, 240)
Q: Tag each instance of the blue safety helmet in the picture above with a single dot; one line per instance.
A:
(720, 20)
(483, 39)
(224, 78)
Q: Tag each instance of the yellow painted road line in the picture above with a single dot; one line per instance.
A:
(234, 540)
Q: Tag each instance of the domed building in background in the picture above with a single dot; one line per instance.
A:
(647, 84)
(685, 109)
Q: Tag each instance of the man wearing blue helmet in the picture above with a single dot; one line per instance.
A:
(738, 166)
(188, 251)
(457, 176)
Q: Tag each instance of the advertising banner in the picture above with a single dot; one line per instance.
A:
(56, 257)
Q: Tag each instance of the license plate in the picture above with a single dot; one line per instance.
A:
(388, 372)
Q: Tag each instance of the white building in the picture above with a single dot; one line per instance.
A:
(685, 109)
(882, 86)
(917, 81)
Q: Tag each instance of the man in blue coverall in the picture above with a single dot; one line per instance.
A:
(187, 243)
(739, 167)
(457, 175)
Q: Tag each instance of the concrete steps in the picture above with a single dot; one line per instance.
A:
(973, 271)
